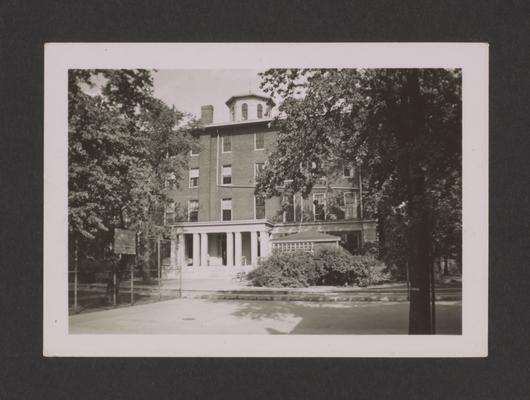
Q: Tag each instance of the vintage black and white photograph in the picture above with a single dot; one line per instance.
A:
(256, 202)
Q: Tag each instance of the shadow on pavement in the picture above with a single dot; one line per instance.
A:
(344, 318)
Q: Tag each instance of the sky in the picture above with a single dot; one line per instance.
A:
(188, 90)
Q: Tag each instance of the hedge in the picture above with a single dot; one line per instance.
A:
(328, 266)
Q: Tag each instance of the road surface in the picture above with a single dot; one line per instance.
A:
(198, 316)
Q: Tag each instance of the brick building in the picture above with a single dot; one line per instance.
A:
(225, 224)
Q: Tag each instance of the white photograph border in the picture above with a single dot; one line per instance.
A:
(471, 57)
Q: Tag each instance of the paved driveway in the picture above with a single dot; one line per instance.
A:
(194, 316)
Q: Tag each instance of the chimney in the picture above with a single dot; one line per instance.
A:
(206, 115)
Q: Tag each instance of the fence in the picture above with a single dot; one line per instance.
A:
(94, 285)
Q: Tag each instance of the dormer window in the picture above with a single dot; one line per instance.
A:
(260, 111)
(244, 111)
(232, 113)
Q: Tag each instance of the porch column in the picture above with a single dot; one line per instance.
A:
(229, 249)
(204, 249)
(173, 253)
(237, 238)
(264, 241)
(181, 257)
(196, 250)
(254, 248)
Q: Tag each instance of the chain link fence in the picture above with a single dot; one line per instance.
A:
(128, 280)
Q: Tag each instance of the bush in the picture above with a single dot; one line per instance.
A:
(339, 268)
(297, 269)
(328, 266)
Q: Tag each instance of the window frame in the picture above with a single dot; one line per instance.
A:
(226, 209)
(314, 206)
(223, 175)
(256, 209)
(350, 168)
(189, 209)
(259, 111)
(244, 112)
(190, 178)
(170, 181)
(256, 169)
(256, 141)
(223, 143)
(354, 204)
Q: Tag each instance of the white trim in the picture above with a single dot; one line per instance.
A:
(194, 155)
(255, 137)
(223, 175)
(351, 172)
(190, 177)
(255, 169)
(223, 144)
(264, 206)
(189, 201)
(222, 209)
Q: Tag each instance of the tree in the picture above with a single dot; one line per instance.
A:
(403, 128)
(122, 145)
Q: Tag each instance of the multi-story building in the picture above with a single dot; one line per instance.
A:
(226, 224)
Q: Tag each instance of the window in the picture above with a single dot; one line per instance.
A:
(227, 144)
(193, 210)
(194, 151)
(227, 174)
(194, 177)
(244, 111)
(259, 141)
(347, 171)
(170, 181)
(226, 209)
(260, 111)
(232, 113)
(260, 207)
(258, 167)
(170, 212)
(351, 201)
(319, 206)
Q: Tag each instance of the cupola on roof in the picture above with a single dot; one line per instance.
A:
(232, 99)
(249, 106)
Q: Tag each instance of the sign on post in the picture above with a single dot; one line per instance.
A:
(124, 241)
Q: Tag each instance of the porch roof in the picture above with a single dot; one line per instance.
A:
(308, 236)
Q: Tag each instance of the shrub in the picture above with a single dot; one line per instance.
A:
(328, 266)
(338, 267)
(297, 269)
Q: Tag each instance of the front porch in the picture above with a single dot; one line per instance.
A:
(220, 245)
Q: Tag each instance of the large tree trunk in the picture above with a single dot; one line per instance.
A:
(420, 260)
(420, 239)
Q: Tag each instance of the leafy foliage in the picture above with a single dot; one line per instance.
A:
(402, 127)
(328, 266)
(122, 144)
(296, 269)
